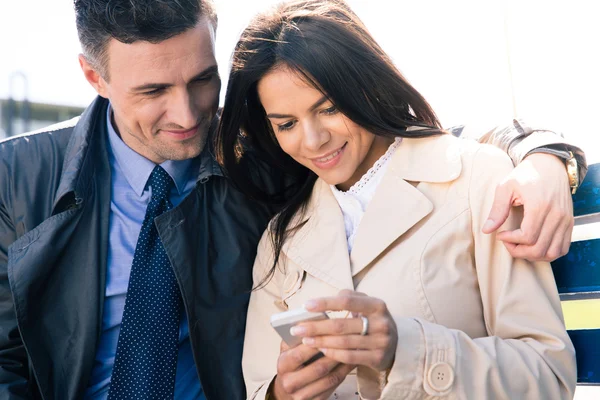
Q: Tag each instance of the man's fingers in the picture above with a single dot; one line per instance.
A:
(568, 237)
(503, 200)
(527, 244)
(556, 247)
(549, 246)
(531, 227)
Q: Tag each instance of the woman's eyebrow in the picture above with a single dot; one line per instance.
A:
(312, 108)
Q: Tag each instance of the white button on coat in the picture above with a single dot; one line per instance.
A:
(440, 376)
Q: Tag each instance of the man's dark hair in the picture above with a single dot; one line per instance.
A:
(130, 21)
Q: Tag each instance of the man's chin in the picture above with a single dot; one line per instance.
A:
(182, 151)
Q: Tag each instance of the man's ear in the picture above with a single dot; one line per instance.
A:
(93, 76)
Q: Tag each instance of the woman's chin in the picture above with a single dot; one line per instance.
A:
(337, 181)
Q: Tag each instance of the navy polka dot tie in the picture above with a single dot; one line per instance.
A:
(146, 359)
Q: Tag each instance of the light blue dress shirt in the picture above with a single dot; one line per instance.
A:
(129, 200)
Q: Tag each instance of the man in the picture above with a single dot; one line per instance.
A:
(125, 254)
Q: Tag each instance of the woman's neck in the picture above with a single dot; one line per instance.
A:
(378, 148)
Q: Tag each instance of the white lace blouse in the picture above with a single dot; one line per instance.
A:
(354, 202)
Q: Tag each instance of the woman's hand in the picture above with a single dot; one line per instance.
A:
(317, 380)
(341, 339)
(540, 184)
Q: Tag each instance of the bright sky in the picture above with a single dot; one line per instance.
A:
(456, 53)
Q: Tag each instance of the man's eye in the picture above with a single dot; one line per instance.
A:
(286, 127)
(204, 79)
(153, 92)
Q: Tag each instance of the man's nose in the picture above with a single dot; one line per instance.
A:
(184, 111)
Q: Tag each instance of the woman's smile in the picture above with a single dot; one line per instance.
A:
(329, 160)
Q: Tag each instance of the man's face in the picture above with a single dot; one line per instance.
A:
(164, 95)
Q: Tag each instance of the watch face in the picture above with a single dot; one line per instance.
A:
(573, 173)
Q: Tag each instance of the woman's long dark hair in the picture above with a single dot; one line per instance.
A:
(330, 48)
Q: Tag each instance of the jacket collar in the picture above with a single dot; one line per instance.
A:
(74, 174)
(78, 165)
(320, 245)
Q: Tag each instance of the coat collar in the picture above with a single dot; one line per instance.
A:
(75, 171)
(79, 162)
(320, 245)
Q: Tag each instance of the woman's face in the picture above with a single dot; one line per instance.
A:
(313, 132)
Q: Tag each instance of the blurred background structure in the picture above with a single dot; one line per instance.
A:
(19, 116)
(478, 62)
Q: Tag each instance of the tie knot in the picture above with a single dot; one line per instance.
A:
(161, 183)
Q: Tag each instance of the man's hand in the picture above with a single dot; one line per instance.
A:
(540, 184)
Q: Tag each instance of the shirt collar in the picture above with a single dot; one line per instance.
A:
(137, 168)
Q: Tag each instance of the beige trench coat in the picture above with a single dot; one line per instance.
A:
(473, 323)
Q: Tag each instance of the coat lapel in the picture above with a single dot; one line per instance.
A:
(320, 246)
(398, 205)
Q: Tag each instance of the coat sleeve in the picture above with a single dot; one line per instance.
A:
(14, 369)
(519, 140)
(262, 343)
(527, 353)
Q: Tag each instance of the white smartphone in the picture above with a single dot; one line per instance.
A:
(283, 322)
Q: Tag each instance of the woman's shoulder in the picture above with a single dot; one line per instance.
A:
(484, 167)
(473, 151)
(479, 159)
(445, 158)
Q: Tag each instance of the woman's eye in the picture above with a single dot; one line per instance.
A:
(287, 126)
(331, 110)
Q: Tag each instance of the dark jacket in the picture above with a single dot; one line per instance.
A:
(54, 216)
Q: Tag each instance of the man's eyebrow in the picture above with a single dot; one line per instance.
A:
(317, 104)
(154, 86)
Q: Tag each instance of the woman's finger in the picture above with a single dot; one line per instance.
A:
(350, 342)
(326, 385)
(370, 358)
(292, 382)
(348, 301)
(294, 359)
(342, 326)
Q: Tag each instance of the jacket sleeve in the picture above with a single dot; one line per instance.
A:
(13, 358)
(527, 353)
(261, 346)
(519, 140)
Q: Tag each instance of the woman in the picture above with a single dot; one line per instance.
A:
(382, 226)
